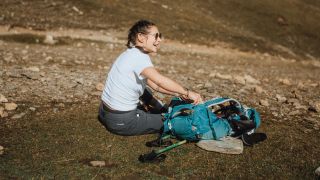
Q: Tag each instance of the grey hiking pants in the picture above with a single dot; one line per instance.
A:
(135, 122)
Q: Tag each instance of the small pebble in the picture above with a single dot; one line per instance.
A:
(97, 163)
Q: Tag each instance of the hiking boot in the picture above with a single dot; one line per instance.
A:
(254, 138)
(158, 143)
(152, 157)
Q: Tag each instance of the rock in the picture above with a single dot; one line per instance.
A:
(32, 109)
(282, 21)
(315, 106)
(97, 163)
(31, 75)
(301, 86)
(250, 80)
(292, 101)
(10, 106)
(239, 80)
(77, 10)
(258, 89)
(3, 99)
(14, 74)
(61, 105)
(317, 171)
(48, 58)
(33, 68)
(198, 86)
(49, 40)
(100, 87)
(285, 81)
(220, 76)
(18, 116)
(208, 85)
(293, 113)
(275, 114)
(165, 6)
(212, 74)
(200, 71)
(280, 99)
(264, 102)
(79, 81)
(299, 106)
(79, 44)
(3, 113)
(1, 150)
(96, 93)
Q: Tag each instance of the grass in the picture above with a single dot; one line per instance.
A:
(61, 145)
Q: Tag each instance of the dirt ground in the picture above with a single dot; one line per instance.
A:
(56, 84)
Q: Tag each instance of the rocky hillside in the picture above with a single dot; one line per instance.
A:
(289, 28)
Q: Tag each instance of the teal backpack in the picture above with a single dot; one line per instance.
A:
(213, 119)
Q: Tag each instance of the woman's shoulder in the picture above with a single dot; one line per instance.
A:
(136, 53)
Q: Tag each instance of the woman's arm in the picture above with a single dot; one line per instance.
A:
(158, 88)
(169, 86)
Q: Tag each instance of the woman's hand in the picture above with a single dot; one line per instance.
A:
(193, 96)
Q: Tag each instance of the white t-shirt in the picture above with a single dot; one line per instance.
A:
(124, 84)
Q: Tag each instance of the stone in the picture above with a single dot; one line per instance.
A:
(208, 85)
(10, 106)
(220, 76)
(79, 81)
(97, 163)
(264, 102)
(258, 89)
(212, 74)
(317, 172)
(292, 101)
(3, 99)
(2, 111)
(293, 113)
(77, 10)
(32, 109)
(239, 80)
(100, 87)
(4, 115)
(33, 69)
(14, 74)
(1, 150)
(250, 80)
(31, 75)
(96, 93)
(49, 40)
(61, 105)
(285, 81)
(200, 71)
(18, 116)
(301, 86)
(165, 6)
(299, 106)
(315, 106)
(275, 114)
(280, 98)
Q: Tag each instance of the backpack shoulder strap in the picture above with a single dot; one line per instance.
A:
(221, 100)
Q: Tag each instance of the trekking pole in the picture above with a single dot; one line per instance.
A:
(171, 147)
(157, 155)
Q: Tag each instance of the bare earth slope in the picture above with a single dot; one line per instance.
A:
(56, 84)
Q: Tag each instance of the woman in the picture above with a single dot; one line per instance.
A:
(126, 85)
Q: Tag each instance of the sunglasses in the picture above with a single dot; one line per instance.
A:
(156, 35)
